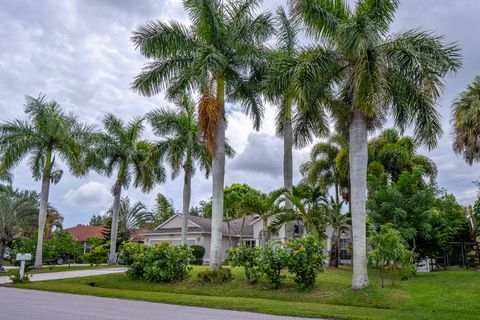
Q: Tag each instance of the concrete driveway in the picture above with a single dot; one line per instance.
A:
(68, 274)
(39, 305)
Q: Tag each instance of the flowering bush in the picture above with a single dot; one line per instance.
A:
(247, 258)
(271, 260)
(305, 260)
(160, 262)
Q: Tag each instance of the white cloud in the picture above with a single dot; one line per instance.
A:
(90, 194)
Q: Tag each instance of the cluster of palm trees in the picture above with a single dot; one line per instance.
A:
(353, 73)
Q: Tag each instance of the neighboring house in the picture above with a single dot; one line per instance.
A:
(82, 233)
(199, 233)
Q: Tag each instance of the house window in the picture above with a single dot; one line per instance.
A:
(250, 243)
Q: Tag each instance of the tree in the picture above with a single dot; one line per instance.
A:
(130, 217)
(373, 75)
(47, 133)
(466, 123)
(96, 220)
(17, 211)
(183, 147)
(120, 148)
(296, 122)
(162, 212)
(222, 56)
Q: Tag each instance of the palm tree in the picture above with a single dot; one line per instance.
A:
(47, 132)
(374, 75)
(297, 123)
(466, 123)
(183, 147)
(221, 55)
(130, 217)
(17, 210)
(119, 148)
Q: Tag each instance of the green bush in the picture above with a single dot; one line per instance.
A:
(99, 254)
(305, 260)
(15, 277)
(198, 252)
(271, 260)
(247, 258)
(158, 263)
(60, 245)
(22, 245)
(216, 276)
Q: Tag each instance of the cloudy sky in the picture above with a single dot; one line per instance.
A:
(79, 53)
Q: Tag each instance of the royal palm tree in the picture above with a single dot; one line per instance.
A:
(374, 75)
(17, 210)
(47, 133)
(466, 123)
(221, 55)
(297, 123)
(120, 148)
(183, 147)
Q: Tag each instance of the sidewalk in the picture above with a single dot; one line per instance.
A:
(68, 274)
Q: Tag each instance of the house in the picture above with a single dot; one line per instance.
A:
(82, 233)
(199, 233)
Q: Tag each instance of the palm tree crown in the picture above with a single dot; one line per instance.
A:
(466, 123)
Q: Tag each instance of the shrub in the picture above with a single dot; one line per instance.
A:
(22, 245)
(99, 254)
(15, 277)
(198, 252)
(62, 244)
(271, 261)
(305, 260)
(247, 258)
(158, 263)
(217, 276)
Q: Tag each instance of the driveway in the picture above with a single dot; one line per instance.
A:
(68, 274)
(40, 305)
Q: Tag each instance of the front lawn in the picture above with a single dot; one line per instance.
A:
(440, 295)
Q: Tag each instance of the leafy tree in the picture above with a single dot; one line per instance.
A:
(389, 251)
(47, 133)
(17, 211)
(372, 75)
(96, 220)
(221, 55)
(162, 212)
(183, 147)
(466, 123)
(62, 243)
(120, 148)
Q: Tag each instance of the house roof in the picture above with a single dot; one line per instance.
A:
(204, 225)
(82, 233)
(137, 234)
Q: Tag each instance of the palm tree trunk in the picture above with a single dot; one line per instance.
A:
(358, 182)
(187, 191)
(117, 190)
(218, 173)
(288, 161)
(241, 231)
(42, 216)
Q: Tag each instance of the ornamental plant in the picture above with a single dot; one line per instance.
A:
(247, 258)
(157, 263)
(271, 260)
(304, 260)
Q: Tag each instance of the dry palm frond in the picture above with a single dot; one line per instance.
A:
(209, 115)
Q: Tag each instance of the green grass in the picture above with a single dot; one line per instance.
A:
(440, 295)
(48, 269)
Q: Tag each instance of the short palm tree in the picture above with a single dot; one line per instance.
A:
(183, 147)
(131, 216)
(120, 148)
(466, 123)
(297, 122)
(221, 55)
(17, 210)
(47, 133)
(374, 75)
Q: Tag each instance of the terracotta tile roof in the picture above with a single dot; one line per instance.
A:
(82, 233)
(137, 234)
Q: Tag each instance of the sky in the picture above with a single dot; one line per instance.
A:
(79, 53)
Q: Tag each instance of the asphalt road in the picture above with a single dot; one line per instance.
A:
(39, 305)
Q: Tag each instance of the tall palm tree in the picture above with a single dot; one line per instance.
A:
(297, 123)
(47, 132)
(466, 123)
(17, 210)
(120, 148)
(374, 75)
(183, 147)
(221, 55)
